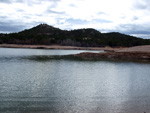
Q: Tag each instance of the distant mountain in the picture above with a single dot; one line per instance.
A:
(41, 29)
(48, 35)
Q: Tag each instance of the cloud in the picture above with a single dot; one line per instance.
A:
(101, 21)
(145, 36)
(76, 21)
(138, 30)
(11, 28)
(135, 29)
(79, 23)
(5, 1)
(20, 12)
(142, 4)
(27, 1)
(50, 11)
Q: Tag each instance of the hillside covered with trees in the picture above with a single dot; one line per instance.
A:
(47, 35)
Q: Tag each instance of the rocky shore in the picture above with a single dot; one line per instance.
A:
(125, 56)
(138, 53)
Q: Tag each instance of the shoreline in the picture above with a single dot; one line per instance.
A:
(140, 49)
(138, 53)
(116, 56)
(56, 47)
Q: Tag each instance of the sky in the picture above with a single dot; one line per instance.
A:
(130, 17)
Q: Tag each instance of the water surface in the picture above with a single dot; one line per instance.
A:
(68, 86)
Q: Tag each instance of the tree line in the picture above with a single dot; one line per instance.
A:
(47, 35)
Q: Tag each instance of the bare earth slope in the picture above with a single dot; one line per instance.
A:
(145, 49)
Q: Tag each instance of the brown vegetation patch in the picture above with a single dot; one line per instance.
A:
(116, 56)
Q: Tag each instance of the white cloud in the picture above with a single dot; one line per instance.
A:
(145, 36)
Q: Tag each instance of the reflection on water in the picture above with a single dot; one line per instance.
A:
(65, 86)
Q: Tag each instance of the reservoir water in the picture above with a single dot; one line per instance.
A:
(70, 86)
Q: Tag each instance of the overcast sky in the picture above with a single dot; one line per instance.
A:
(126, 16)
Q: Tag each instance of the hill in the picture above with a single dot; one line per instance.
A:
(48, 35)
